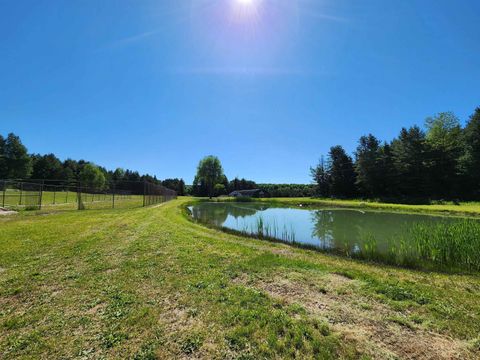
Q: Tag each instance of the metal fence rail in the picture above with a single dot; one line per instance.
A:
(44, 194)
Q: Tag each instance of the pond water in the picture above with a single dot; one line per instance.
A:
(337, 230)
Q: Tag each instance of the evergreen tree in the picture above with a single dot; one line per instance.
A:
(132, 176)
(321, 177)
(444, 142)
(241, 184)
(3, 161)
(409, 161)
(341, 172)
(17, 160)
(118, 175)
(70, 170)
(386, 168)
(367, 166)
(175, 184)
(224, 182)
(470, 161)
(235, 184)
(199, 188)
(47, 167)
(181, 190)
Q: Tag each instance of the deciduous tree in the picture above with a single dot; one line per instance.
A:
(91, 176)
(209, 173)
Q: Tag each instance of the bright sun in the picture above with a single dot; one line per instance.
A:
(246, 10)
(246, 2)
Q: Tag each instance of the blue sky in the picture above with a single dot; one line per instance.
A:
(267, 86)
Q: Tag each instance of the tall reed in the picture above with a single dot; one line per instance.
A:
(445, 246)
(264, 230)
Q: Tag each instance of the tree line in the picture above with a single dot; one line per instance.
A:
(17, 163)
(288, 190)
(210, 180)
(441, 161)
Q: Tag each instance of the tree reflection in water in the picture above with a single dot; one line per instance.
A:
(344, 231)
(217, 213)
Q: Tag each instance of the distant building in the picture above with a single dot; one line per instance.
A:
(255, 193)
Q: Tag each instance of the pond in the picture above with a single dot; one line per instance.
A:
(344, 231)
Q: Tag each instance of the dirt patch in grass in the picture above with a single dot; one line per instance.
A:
(283, 250)
(96, 309)
(376, 330)
(5, 212)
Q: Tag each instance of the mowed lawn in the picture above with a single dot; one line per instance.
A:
(148, 283)
(66, 200)
(471, 208)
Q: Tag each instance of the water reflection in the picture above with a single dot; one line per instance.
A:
(217, 213)
(342, 230)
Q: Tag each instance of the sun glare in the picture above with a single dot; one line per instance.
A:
(246, 8)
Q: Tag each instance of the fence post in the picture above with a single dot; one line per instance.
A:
(4, 192)
(113, 195)
(54, 194)
(21, 191)
(40, 196)
(79, 196)
(144, 191)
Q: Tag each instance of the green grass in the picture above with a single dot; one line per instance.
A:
(448, 208)
(149, 283)
(63, 200)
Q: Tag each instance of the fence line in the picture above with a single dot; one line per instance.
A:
(40, 194)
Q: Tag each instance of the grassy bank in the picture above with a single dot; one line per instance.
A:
(462, 209)
(148, 283)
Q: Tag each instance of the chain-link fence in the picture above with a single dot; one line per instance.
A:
(70, 195)
(20, 195)
(155, 194)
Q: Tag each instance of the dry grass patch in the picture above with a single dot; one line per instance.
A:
(376, 329)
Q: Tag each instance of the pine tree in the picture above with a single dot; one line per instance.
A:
(470, 162)
(409, 161)
(444, 145)
(341, 172)
(47, 167)
(17, 160)
(3, 162)
(367, 159)
(321, 178)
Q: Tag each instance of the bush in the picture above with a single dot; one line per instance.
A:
(243, 199)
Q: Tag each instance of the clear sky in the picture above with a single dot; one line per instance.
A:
(266, 85)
